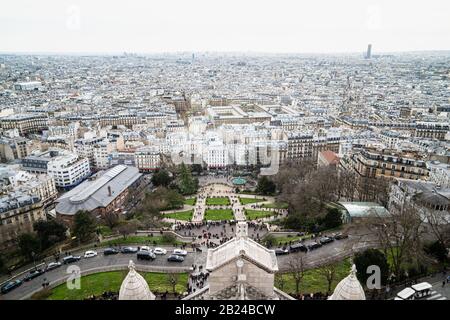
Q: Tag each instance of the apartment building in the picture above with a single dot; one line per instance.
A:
(299, 146)
(13, 148)
(18, 213)
(439, 173)
(25, 122)
(13, 178)
(373, 162)
(67, 168)
(431, 130)
(127, 120)
(147, 159)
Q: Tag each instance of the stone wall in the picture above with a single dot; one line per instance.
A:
(226, 275)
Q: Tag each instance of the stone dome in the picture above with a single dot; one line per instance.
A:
(349, 288)
(134, 286)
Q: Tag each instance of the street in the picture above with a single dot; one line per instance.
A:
(101, 262)
(327, 253)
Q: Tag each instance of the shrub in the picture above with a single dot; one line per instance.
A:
(169, 238)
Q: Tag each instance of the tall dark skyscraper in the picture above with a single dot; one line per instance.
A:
(369, 51)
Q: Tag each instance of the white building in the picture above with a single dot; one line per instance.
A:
(28, 86)
(102, 154)
(390, 139)
(439, 173)
(70, 130)
(147, 159)
(85, 148)
(68, 170)
(12, 178)
(215, 153)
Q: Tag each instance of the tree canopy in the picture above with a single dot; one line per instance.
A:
(49, 232)
(265, 186)
(29, 246)
(332, 219)
(187, 184)
(368, 258)
(161, 178)
(3, 267)
(84, 225)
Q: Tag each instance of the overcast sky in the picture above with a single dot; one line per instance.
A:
(225, 25)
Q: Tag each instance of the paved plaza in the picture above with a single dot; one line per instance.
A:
(220, 188)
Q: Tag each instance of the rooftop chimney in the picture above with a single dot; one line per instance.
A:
(109, 191)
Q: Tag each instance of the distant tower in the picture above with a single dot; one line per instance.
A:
(369, 52)
(193, 57)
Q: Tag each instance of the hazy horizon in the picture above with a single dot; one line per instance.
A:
(253, 27)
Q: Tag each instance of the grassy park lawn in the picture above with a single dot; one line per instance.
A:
(105, 230)
(286, 240)
(221, 201)
(313, 281)
(276, 205)
(190, 201)
(138, 240)
(257, 214)
(182, 215)
(110, 281)
(245, 201)
(219, 214)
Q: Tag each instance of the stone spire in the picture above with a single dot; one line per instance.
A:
(349, 288)
(134, 286)
(241, 230)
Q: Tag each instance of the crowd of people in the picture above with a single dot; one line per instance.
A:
(106, 295)
(313, 296)
(197, 279)
(213, 233)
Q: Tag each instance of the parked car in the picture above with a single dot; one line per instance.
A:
(326, 240)
(11, 286)
(53, 265)
(90, 254)
(159, 251)
(33, 274)
(145, 255)
(110, 251)
(314, 246)
(341, 236)
(129, 250)
(180, 252)
(175, 258)
(280, 251)
(145, 248)
(298, 247)
(70, 259)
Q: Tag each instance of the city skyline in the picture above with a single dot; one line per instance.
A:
(252, 27)
(216, 151)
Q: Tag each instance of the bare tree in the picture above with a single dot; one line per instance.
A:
(399, 234)
(111, 219)
(296, 265)
(437, 222)
(328, 271)
(173, 277)
(280, 281)
(127, 227)
(347, 182)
